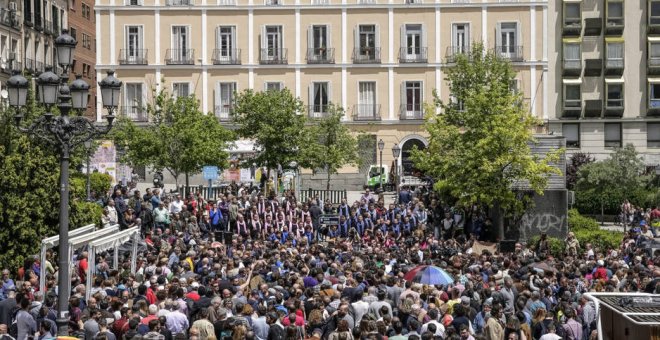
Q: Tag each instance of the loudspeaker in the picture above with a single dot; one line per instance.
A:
(507, 246)
(219, 236)
(228, 237)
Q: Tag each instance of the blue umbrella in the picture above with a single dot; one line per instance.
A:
(429, 275)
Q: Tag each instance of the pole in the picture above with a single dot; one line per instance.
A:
(64, 272)
(209, 191)
(87, 185)
(396, 164)
(380, 178)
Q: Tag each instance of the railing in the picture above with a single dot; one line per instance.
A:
(366, 112)
(614, 103)
(39, 67)
(614, 21)
(454, 51)
(180, 2)
(366, 55)
(133, 56)
(273, 56)
(413, 55)
(9, 18)
(614, 63)
(134, 3)
(135, 113)
(48, 27)
(572, 64)
(38, 22)
(334, 196)
(572, 104)
(180, 56)
(654, 61)
(27, 20)
(223, 112)
(318, 111)
(411, 112)
(223, 56)
(30, 64)
(321, 55)
(513, 53)
(272, 2)
(227, 2)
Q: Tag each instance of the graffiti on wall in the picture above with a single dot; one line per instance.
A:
(548, 215)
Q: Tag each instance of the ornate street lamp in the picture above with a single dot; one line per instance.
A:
(396, 151)
(381, 146)
(66, 133)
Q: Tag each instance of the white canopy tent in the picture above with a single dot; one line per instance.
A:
(112, 242)
(82, 240)
(54, 241)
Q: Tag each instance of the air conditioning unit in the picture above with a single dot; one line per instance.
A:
(11, 56)
(13, 7)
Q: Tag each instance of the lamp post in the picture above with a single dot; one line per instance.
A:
(88, 147)
(66, 133)
(294, 166)
(396, 151)
(381, 146)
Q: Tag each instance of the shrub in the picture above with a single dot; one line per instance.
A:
(601, 240)
(578, 222)
(557, 246)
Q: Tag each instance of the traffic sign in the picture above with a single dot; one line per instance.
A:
(329, 219)
(210, 173)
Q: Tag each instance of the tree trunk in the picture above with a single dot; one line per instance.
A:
(602, 216)
(327, 183)
(187, 180)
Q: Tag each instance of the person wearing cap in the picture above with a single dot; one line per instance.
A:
(601, 272)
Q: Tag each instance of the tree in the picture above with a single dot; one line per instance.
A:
(330, 144)
(272, 120)
(613, 180)
(577, 161)
(181, 139)
(29, 187)
(479, 146)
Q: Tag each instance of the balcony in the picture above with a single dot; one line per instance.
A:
(654, 24)
(653, 65)
(614, 26)
(593, 108)
(9, 18)
(593, 67)
(180, 56)
(38, 22)
(273, 2)
(273, 56)
(572, 27)
(614, 108)
(454, 51)
(133, 56)
(318, 111)
(135, 113)
(321, 55)
(223, 112)
(593, 26)
(413, 55)
(48, 27)
(179, 2)
(572, 67)
(512, 53)
(366, 112)
(225, 56)
(411, 112)
(39, 67)
(366, 55)
(30, 65)
(614, 66)
(572, 108)
(27, 20)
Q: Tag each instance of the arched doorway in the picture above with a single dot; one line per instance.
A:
(407, 165)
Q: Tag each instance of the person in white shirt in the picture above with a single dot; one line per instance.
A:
(177, 205)
(551, 335)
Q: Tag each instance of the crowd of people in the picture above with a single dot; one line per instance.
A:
(284, 275)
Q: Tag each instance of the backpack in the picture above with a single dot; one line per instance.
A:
(13, 329)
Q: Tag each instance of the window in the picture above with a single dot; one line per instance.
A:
(461, 38)
(84, 70)
(86, 41)
(180, 52)
(614, 13)
(654, 53)
(180, 90)
(134, 101)
(572, 134)
(412, 41)
(273, 86)
(366, 99)
(614, 55)
(614, 96)
(612, 135)
(654, 97)
(572, 96)
(507, 39)
(572, 56)
(411, 98)
(572, 14)
(73, 32)
(86, 11)
(319, 98)
(134, 2)
(318, 44)
(653, 135)
(134, 50)
(224, 99)
(225, 42)
(227, 2)
(272, 2)
(271, 40)
(320, 2)
(654, 16)
(366, 37)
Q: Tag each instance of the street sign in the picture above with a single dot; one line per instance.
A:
(329, 220)
(210, 173)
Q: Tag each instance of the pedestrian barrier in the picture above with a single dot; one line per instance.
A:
(212, 193)
(335, 196)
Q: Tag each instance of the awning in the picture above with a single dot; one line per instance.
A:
(654, 80)
(576, 81)
(654, 39)
(613, 80)
(242, 146)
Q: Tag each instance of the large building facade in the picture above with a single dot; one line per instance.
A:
(605, 70)
(82, 26)
(380, 60)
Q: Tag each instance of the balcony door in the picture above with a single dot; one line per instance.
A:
(508, 39)
(133, 44)
(461, 38)
(411, 94)
(319, 98)
(318, 41)
(225, 42)
(180, 43)
(366, 99)
(367, 40)
(412, 40)
(272, 42)
(224, 99)
(133, 103)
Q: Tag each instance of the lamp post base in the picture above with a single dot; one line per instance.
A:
(63, 326)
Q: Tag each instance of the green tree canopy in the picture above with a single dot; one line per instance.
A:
(271, 118)
(479, 145)
(330, 144)
(181, 139)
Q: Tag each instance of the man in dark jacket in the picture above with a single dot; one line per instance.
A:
(277, 330)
